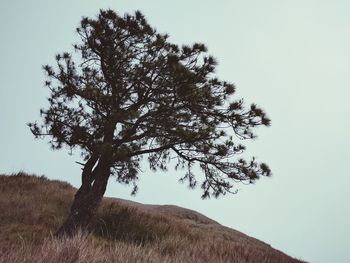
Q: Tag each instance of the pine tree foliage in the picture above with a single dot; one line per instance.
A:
(132, 95)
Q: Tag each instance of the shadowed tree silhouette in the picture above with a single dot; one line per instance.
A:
(132, 94)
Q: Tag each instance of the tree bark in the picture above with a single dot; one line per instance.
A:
(86, 200)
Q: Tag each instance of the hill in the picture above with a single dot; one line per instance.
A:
(32, 208)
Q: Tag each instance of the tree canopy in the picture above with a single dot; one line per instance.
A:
(127, 94)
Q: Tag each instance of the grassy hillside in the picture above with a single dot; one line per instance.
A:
(32, 208)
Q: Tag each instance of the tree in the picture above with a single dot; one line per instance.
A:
(131, 94)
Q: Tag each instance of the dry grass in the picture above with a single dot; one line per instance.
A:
(33, 207)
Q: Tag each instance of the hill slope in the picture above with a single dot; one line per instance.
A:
(32, 208)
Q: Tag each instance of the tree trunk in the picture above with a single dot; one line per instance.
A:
(86, 200)
(94, 183)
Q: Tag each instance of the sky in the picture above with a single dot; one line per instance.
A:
(289, 57)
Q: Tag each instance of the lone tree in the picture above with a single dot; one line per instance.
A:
(133, 95)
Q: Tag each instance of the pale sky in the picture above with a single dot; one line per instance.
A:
(289, 57)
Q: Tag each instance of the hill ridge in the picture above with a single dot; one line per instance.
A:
(33, 207)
